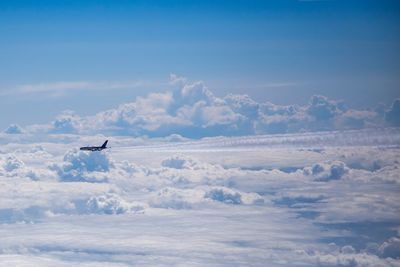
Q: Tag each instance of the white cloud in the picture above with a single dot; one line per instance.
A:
(322, 109)
(14, 129)
(84, 166)
(12, 163)
(192, 110)
(112, 204)
(299, 199)
(67, 122)
(328, 171)
(179, 162)
(198, 201)
(391, 248)
(61, 87)
(229, 196)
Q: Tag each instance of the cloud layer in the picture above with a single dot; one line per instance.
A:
(192, 110)
(305, 196)
(217, 201)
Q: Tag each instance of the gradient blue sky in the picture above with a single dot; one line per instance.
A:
(91, 55)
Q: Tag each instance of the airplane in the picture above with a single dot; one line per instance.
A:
(95, 148)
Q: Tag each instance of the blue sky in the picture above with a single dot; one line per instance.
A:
(91, 55)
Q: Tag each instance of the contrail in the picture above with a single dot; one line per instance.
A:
(382, 137)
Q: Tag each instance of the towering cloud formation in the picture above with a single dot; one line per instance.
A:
(192, 110)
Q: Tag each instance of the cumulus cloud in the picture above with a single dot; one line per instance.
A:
(349, 259)
(67, 122)
(184, 171)
(243, 105)
(327, 171)
(322, 109)
(176, 198)
(391, 248)
(224, 196)
(188, 198)
(12, 163)
(192, 110)
(12, 166)
(14, 129)
(181, 162)
(112, 204)
(230, 216)
(203, 199)
(230, 196)
(83, 166)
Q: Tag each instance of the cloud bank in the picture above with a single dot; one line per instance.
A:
(216, 201)
(300, 197)
(192, 110)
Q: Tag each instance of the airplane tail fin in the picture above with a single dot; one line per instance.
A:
(105, 144)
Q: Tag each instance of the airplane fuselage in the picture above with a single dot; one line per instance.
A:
(95, 148)
(92, 148)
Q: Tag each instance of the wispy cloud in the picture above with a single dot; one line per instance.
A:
(62, 87)
(280, 84)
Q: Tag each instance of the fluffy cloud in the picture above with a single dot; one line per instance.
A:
(182, 162)
(12, 163)
(14, 129)
(112, 204)
(224, 196)
(83, 166)
(200, 200)
(67, 122)
(327, 171)
(322, 109)
(391, 248)
(12, 166)
(177, 198)
(192, 110)
(243, 105)
(229, 196)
